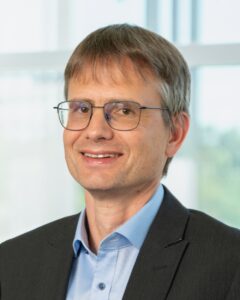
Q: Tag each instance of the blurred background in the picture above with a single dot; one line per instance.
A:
(37, 37)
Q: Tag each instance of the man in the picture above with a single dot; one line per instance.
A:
(125, 117)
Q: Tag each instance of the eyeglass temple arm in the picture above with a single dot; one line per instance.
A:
(146, 107)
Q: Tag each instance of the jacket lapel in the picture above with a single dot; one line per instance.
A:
(161, 253)
(57, 260)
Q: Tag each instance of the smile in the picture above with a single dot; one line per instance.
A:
(101, 155)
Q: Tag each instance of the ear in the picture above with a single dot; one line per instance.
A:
(178, 132)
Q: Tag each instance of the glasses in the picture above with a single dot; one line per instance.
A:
(120, 115)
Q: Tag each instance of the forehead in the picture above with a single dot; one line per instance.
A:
(102, 82)
(116, 71)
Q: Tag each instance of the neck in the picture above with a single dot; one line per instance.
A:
(106, 212)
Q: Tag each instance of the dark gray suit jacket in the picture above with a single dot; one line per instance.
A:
(187, 255)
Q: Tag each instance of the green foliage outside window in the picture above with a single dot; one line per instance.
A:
(219, 174)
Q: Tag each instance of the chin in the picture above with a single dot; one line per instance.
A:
(93, 185)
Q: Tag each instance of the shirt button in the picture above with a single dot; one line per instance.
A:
(101, 286)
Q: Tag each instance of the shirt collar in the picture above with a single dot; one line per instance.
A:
(134, 230)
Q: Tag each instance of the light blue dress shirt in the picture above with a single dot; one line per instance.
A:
(105, 276)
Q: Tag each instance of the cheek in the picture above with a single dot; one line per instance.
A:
(141, 147)
(155, 148)
(69, 138)
(67, 147)
(65, 137)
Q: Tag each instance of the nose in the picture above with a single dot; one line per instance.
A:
(98, 128)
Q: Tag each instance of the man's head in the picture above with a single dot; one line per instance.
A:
(132, 57)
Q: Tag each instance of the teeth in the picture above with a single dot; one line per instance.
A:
(99, 155)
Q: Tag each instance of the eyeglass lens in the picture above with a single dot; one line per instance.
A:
(120, 115)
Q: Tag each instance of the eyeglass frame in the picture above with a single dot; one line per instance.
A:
(140, 107)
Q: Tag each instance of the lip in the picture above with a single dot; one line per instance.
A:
(98, 158)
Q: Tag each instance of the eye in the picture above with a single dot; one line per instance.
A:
(80, 107)
(122, 109)
(126, 111)
(84, 108)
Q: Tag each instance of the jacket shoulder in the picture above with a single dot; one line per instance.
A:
(203, 231)
(35, 237)
(32, 264)
(211, 239)
(202, 224)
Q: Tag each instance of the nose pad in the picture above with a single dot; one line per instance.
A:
(107, 117)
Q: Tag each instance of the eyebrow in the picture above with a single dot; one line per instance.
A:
(109, 100)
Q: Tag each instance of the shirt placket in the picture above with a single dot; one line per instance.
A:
(103, 274)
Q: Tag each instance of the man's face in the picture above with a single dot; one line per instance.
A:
(136, 158)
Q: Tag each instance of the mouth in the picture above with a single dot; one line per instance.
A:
(100, 155)
(101, 158)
